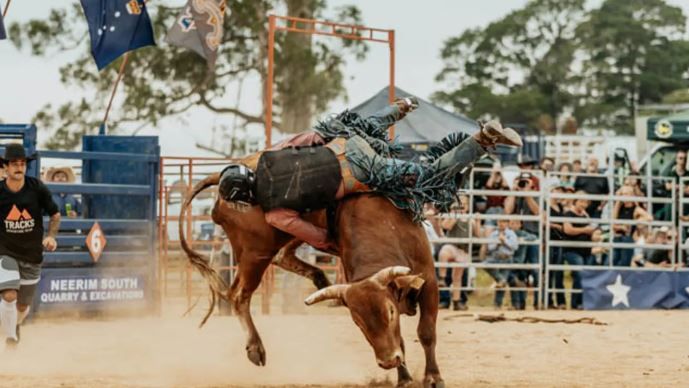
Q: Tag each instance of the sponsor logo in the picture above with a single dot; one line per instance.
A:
(663, 129)
(19, 221)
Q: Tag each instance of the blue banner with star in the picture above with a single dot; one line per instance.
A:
(604, 290)
(115, 27)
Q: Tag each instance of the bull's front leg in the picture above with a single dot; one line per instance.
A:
(428, 306)
(288, 260)
(404, 379)
(249, 275)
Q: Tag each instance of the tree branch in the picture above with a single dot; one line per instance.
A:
(249, 119)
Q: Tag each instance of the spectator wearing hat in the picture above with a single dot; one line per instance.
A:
(69, 205)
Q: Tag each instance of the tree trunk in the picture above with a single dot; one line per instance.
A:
(297, 65)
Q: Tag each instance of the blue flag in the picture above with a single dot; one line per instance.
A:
(3, 34)
(631, 289)
(116, 26)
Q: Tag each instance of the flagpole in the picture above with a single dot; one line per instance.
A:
(114, 90)
(7, 6)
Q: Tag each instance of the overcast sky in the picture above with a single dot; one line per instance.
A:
(421, 27)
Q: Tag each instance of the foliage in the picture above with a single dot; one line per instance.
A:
(165, 81)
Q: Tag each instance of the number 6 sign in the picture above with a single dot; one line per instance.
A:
(95, 241)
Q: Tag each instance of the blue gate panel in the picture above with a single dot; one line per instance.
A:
(124, 171)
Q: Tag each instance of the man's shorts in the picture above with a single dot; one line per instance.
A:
(456, 254)
(19, 275)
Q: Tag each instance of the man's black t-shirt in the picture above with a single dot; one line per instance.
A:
(21, 232)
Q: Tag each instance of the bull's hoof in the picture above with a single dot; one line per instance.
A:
(433, 382)
(256, 354)
(404, 379)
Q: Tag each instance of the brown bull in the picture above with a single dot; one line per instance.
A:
(380, 248)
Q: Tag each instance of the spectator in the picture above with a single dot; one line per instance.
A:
(597, 185)
(527, 205)
(656, 257)
(529, 164)
(459, 225)
(501, 251)
(495, 203)
(547, 166)
(68, 204)
(579, 231)
(576, 166)
(556, 280)
(626, 210)
(677, 172)
(566, 180)
(525, 254)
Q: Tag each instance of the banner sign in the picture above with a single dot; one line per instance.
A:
(635, 289)
(84, 287)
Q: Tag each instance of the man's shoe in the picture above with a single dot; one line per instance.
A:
(11, 343)
(407, 104)
(492, 133)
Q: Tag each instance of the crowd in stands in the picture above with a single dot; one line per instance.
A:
(576, 223)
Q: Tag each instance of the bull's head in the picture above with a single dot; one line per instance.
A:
(375, 304)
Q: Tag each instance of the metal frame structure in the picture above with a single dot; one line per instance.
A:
(544, 265)
(131, 241)
(325, 28)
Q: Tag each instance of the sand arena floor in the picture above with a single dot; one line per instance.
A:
(639, 348)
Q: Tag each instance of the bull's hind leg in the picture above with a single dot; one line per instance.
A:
(248, 278)
(428, 306)
(288, 260)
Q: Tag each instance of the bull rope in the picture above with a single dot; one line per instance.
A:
(503, 318)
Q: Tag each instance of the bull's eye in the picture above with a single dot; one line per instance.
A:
(392, 313)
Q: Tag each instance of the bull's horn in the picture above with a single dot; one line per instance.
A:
(386, 275)
(332, 292)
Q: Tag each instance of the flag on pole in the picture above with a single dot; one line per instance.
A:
(199, 28)
(3, 34)
(117, 26)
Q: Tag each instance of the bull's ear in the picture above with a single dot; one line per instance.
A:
(414, 282)
(406, 290)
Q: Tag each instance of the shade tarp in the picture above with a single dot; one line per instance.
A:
(426, 125)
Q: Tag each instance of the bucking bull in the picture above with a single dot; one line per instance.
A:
(387, 263)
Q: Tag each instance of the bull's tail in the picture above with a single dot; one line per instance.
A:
(216, 284)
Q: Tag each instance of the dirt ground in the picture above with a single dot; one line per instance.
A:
(638, 348)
